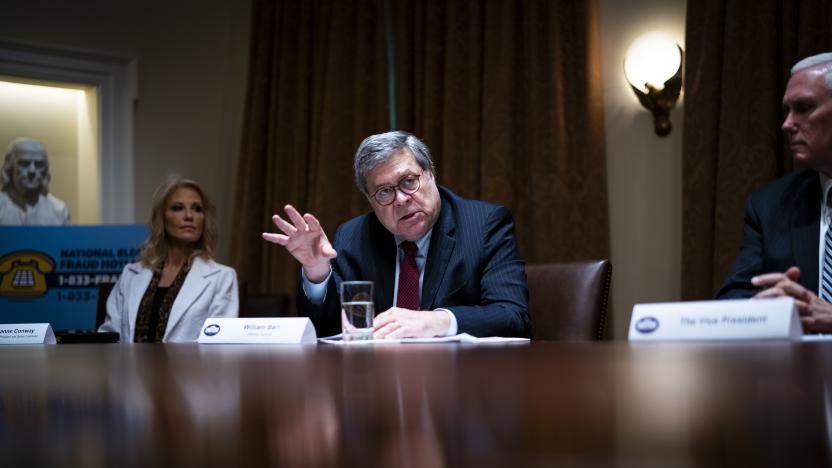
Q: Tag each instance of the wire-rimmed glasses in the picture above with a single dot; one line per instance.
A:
(408, 185)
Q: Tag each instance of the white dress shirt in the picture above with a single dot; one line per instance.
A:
(825, 214)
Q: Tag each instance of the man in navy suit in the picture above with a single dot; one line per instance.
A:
(782, 252)
(463, 253)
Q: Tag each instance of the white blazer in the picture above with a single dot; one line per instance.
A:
(209, 290)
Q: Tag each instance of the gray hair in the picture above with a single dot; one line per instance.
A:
(814, 60)
(375, 149)
(11, 157)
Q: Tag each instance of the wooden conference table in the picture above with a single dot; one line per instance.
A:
(537, 404)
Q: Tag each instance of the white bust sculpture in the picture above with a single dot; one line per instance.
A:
(25, 197)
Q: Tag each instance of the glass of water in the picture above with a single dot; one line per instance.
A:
(357, 310)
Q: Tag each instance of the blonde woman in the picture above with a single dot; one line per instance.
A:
(176, 285)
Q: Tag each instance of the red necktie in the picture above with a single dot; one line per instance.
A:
(408, 294)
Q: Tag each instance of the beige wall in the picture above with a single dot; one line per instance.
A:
(192, 58)
(59, 118)
(644, 171)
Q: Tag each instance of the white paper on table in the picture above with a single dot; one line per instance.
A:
(460, 338)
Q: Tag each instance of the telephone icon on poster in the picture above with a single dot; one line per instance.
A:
(23, 273)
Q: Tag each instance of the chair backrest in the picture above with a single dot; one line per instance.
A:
(276, 305)
(262, 305)
(568, 301)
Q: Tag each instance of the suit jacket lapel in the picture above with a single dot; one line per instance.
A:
(806, 232)
(442, 245)
(195, 283)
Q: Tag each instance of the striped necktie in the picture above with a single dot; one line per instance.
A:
(826, 274)
(408, 292)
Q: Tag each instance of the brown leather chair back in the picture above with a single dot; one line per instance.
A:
(568, 301)
(265, 305)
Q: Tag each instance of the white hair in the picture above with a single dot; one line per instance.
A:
(814, 60)
(6, 174)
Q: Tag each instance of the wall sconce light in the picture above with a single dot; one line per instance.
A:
(653, 67)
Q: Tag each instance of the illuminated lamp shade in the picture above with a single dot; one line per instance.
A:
(653, 67)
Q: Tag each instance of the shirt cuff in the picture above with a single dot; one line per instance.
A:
(315, 292)
(453, 328)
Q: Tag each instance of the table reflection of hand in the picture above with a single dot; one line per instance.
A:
(308, 435)
(412, 448)
(415, 439)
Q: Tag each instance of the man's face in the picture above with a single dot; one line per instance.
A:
(409, 216)
(808, 124)
(30, 168)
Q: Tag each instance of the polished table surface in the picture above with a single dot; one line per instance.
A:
(537, 404)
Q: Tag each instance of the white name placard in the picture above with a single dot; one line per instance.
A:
(736, 319)
(268, 330)
(26, 333)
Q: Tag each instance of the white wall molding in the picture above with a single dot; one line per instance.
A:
(115, 79)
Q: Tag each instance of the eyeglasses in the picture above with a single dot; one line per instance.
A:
(408, 185)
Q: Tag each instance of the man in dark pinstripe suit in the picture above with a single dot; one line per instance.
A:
(785, 221)
(470, 275)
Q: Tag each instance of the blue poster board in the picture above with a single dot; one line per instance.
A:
(53, 273)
